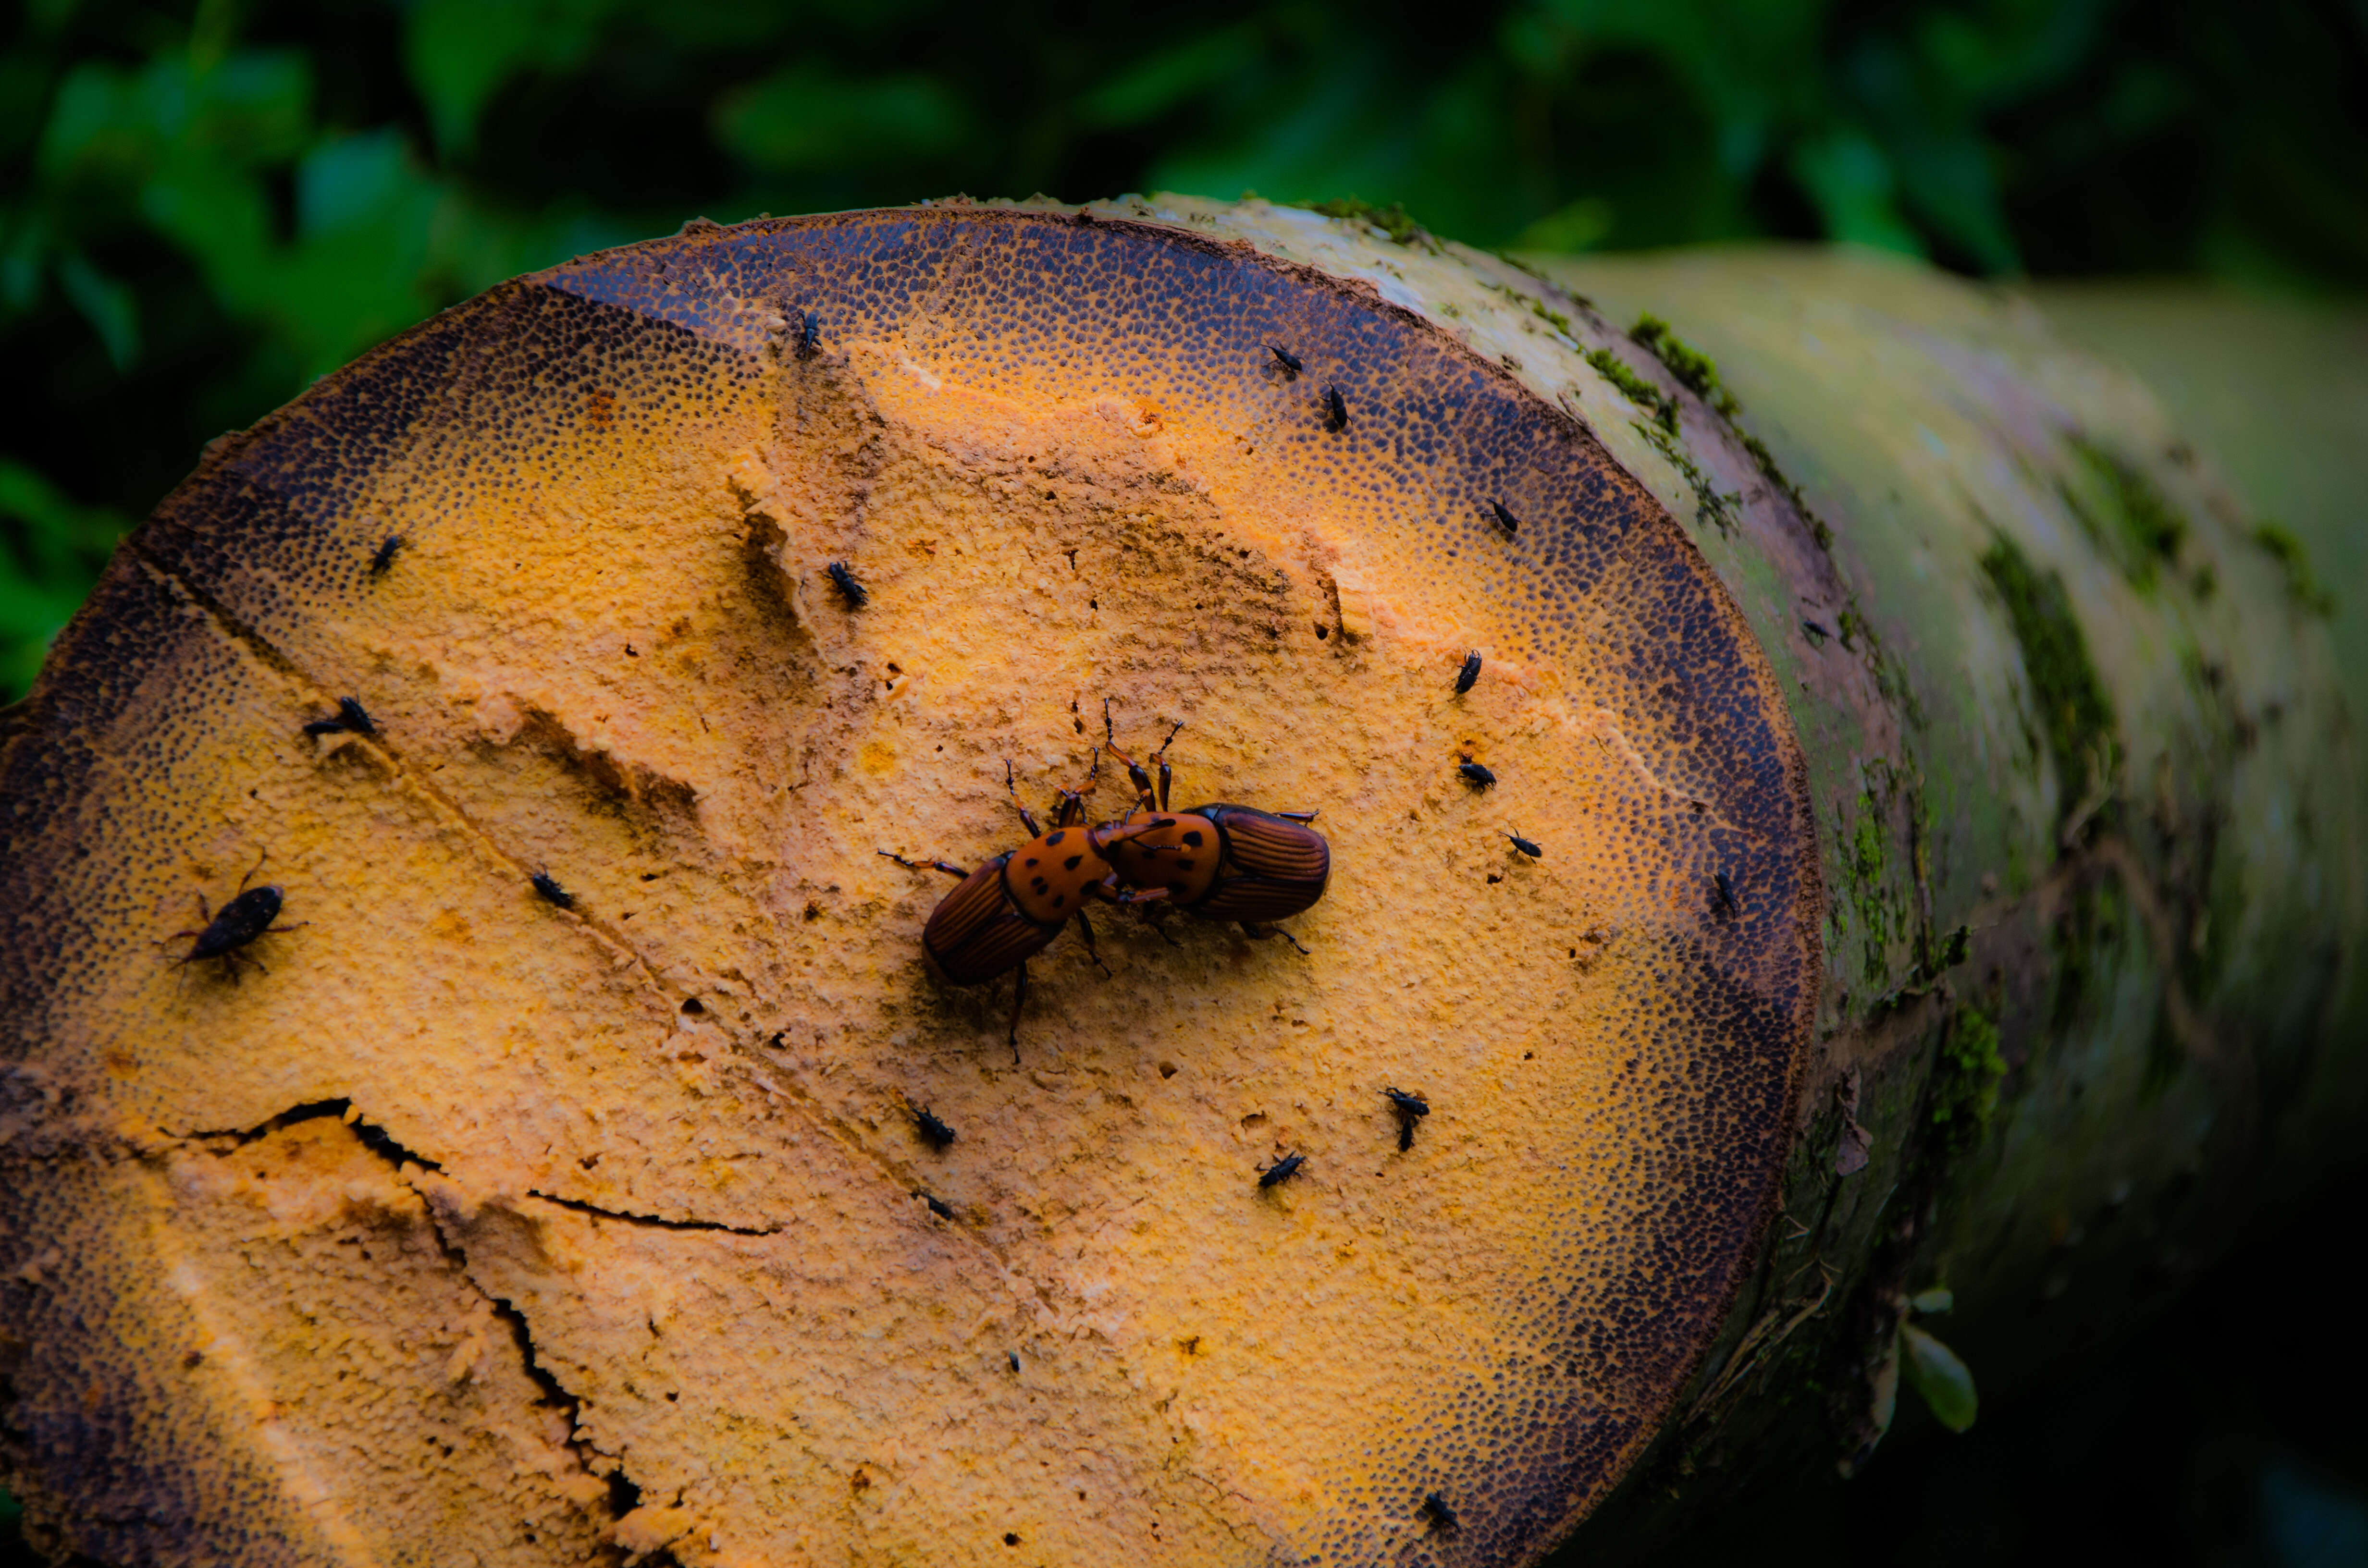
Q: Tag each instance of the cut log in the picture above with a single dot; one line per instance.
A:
(583, 1159)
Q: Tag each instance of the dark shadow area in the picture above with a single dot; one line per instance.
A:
(2227, 1432)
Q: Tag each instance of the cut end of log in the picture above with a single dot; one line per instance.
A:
(534, 1227)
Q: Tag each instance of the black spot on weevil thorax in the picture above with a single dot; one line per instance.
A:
(548, 887)
(1466, 677)
(1336, 410)
(1287, 360)
(934, 1132)
(382, 558)
(1283, 1170)
(1526, 847)
(1505, 518)
(350, 716)
(854, 593)
(1476, 776)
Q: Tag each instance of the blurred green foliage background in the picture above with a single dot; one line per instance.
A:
(205, 206)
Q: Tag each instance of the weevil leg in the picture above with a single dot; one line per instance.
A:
(1298, 816)
(1263, 932)
(1157, 919)
(950, 870)
(1144, 798)
(1087, 926)
(260, 859)
(1019, 1000)
(1011, 784)
(1166, 773)
(1073, 802)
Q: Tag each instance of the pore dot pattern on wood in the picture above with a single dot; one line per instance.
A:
(1065, 465)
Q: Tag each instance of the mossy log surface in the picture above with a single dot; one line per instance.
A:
(1952, 878)
(2118, 621)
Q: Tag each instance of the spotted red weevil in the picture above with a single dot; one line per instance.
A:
(1219, 861)
(1009, 909)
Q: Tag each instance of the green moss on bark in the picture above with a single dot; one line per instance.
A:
(2123, 512)
(1713, 507)
(1636, 388)
(1866, 865)
(1966, 1076)
(1391, 220)
(2073, 706)
(2302, 584)
(1694, 369)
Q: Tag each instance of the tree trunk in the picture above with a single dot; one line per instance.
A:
(2125, 764)
(1901, 838)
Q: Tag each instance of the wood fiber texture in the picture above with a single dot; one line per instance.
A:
(473, 1227)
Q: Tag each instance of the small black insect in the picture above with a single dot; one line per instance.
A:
(1436, 1514)
(247, 915)
(938, 1206)
(856, 594)
(1473, 774)
(351, 715)
(1726, 895)
(547, 886)
(383, 557)
(1014, 1361)
(1814, 630)
(1526, 847)
(1336, 410)
(1469, 675)
(1505, 518)
(1281, 1171)
(1287, 360)
(1410, 1107)
(809, 335)
(935, 1134)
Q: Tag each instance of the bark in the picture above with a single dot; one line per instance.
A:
(2163, 944)
(1952, 880)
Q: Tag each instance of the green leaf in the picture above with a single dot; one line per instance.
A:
(1850, 181)
(459, 53)
(804, 118)
(1171, 77)
(1939, 1299)
(108, 306)
(1932, 1370)
(51, 552)
(1580, 225)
